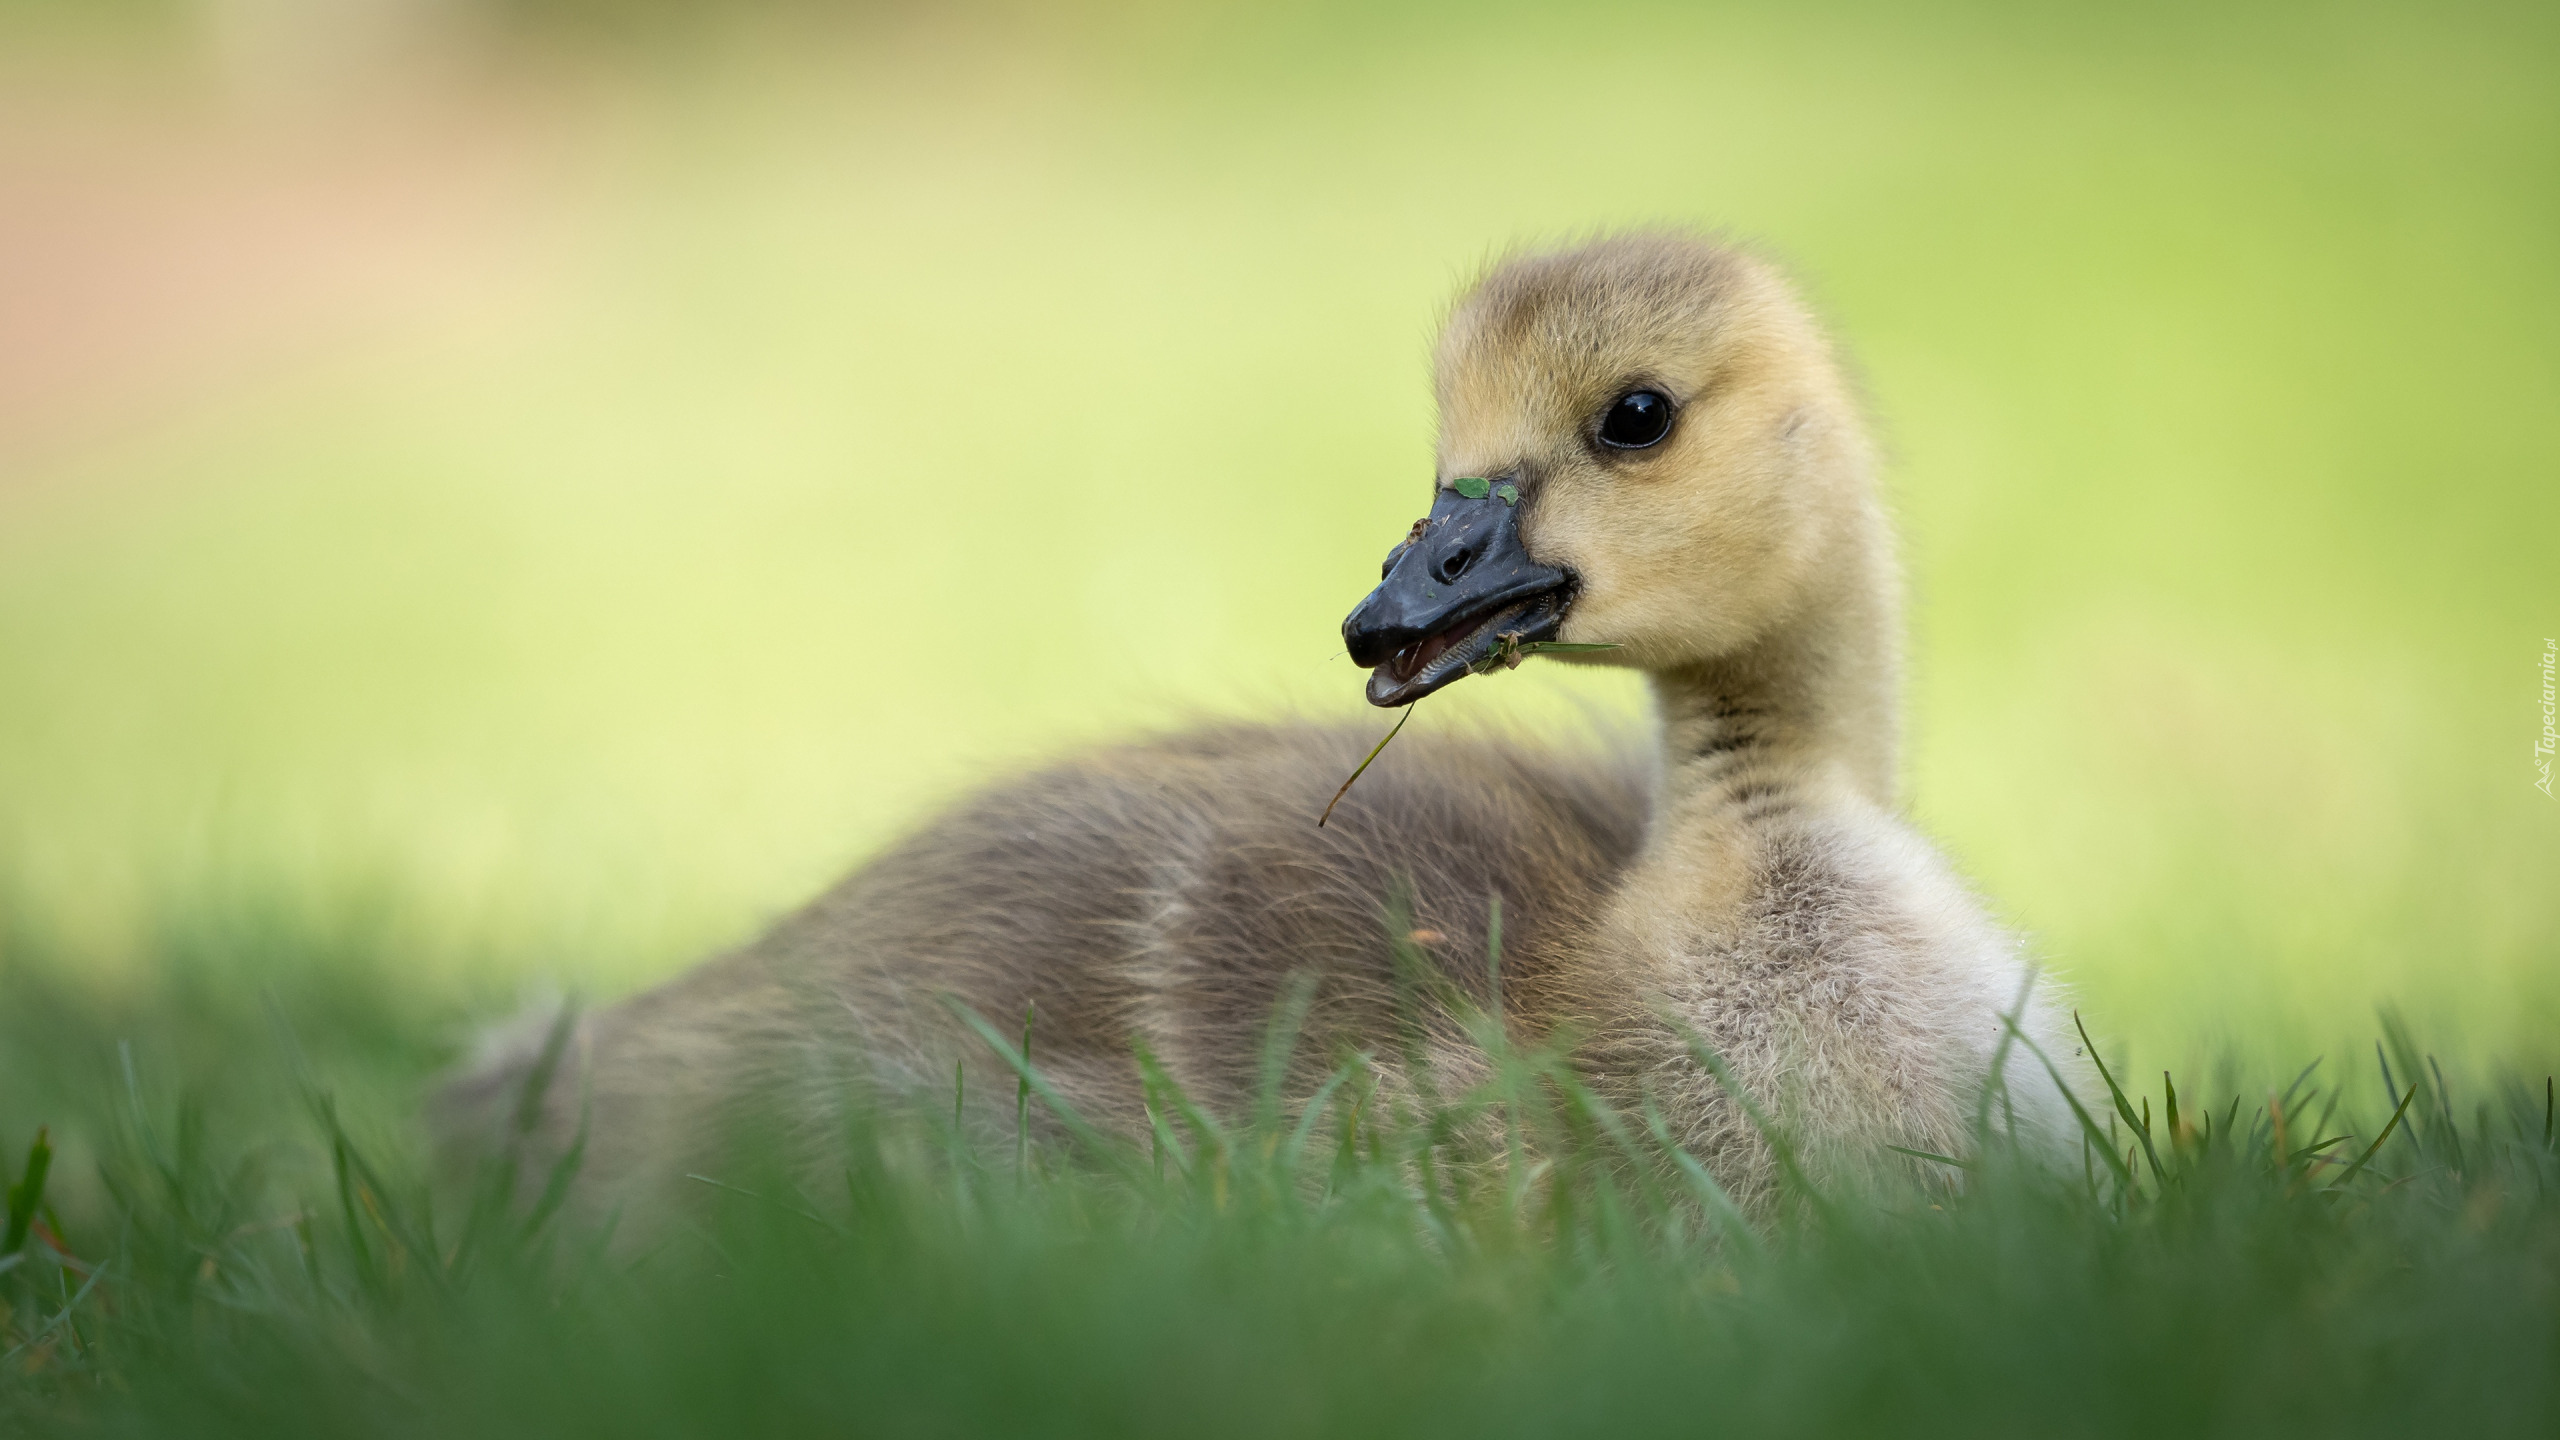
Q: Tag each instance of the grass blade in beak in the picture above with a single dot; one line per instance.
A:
(1509, 650)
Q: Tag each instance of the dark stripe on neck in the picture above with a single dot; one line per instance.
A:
(1736, 728)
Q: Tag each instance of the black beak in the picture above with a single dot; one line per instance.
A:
(1459, 595)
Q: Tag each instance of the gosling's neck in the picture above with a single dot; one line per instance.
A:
(1808, 708)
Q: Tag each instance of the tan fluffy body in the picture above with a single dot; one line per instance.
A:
(1748, 879)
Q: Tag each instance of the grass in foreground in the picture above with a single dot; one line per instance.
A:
(2387, 1262)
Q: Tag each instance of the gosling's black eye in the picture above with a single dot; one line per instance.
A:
(1637, 419)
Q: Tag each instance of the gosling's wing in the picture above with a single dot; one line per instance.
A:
(1166, 892)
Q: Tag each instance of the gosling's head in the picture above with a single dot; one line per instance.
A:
(1669, 463)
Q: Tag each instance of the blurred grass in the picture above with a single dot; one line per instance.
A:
(2317, 1264)
(879, 398)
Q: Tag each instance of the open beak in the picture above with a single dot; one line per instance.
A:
(1459, 593)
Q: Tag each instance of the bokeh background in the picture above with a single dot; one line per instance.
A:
(501, 495)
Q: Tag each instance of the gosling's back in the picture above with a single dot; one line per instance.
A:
(1158, 894)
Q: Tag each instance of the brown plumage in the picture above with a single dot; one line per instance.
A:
(1741, 874)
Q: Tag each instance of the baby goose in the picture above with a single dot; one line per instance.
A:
(1644, 443)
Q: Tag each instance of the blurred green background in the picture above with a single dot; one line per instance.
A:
(520, 494)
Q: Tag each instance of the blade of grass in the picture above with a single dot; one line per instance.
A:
(1364, 765)
(27, 1196)
(2444, 1106)
(60, 1318)
(1604, 1119)
(1779, 1146)
(1162, 1140)
(564, 1173)
(373, 1194)
(1280, 1044)
(546, 1064)
(2376, 1147)
(957, 1142)
(350, 1215)
(1314, 1110)
(2124, 1106)
(2098, 1139)
(2291, 1091)
(1713, 1197)
(1022, 1097)
(1205, 1130)
(1092, 1139)
(1995, 1084)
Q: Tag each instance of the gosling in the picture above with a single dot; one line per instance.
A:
(1645, 444)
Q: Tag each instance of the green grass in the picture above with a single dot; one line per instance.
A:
(839, 422)
(2339, 1258)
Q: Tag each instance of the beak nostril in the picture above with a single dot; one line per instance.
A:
(1453, 565)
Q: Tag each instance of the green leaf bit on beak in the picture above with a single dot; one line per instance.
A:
(1507, 493)
(1473, 487)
